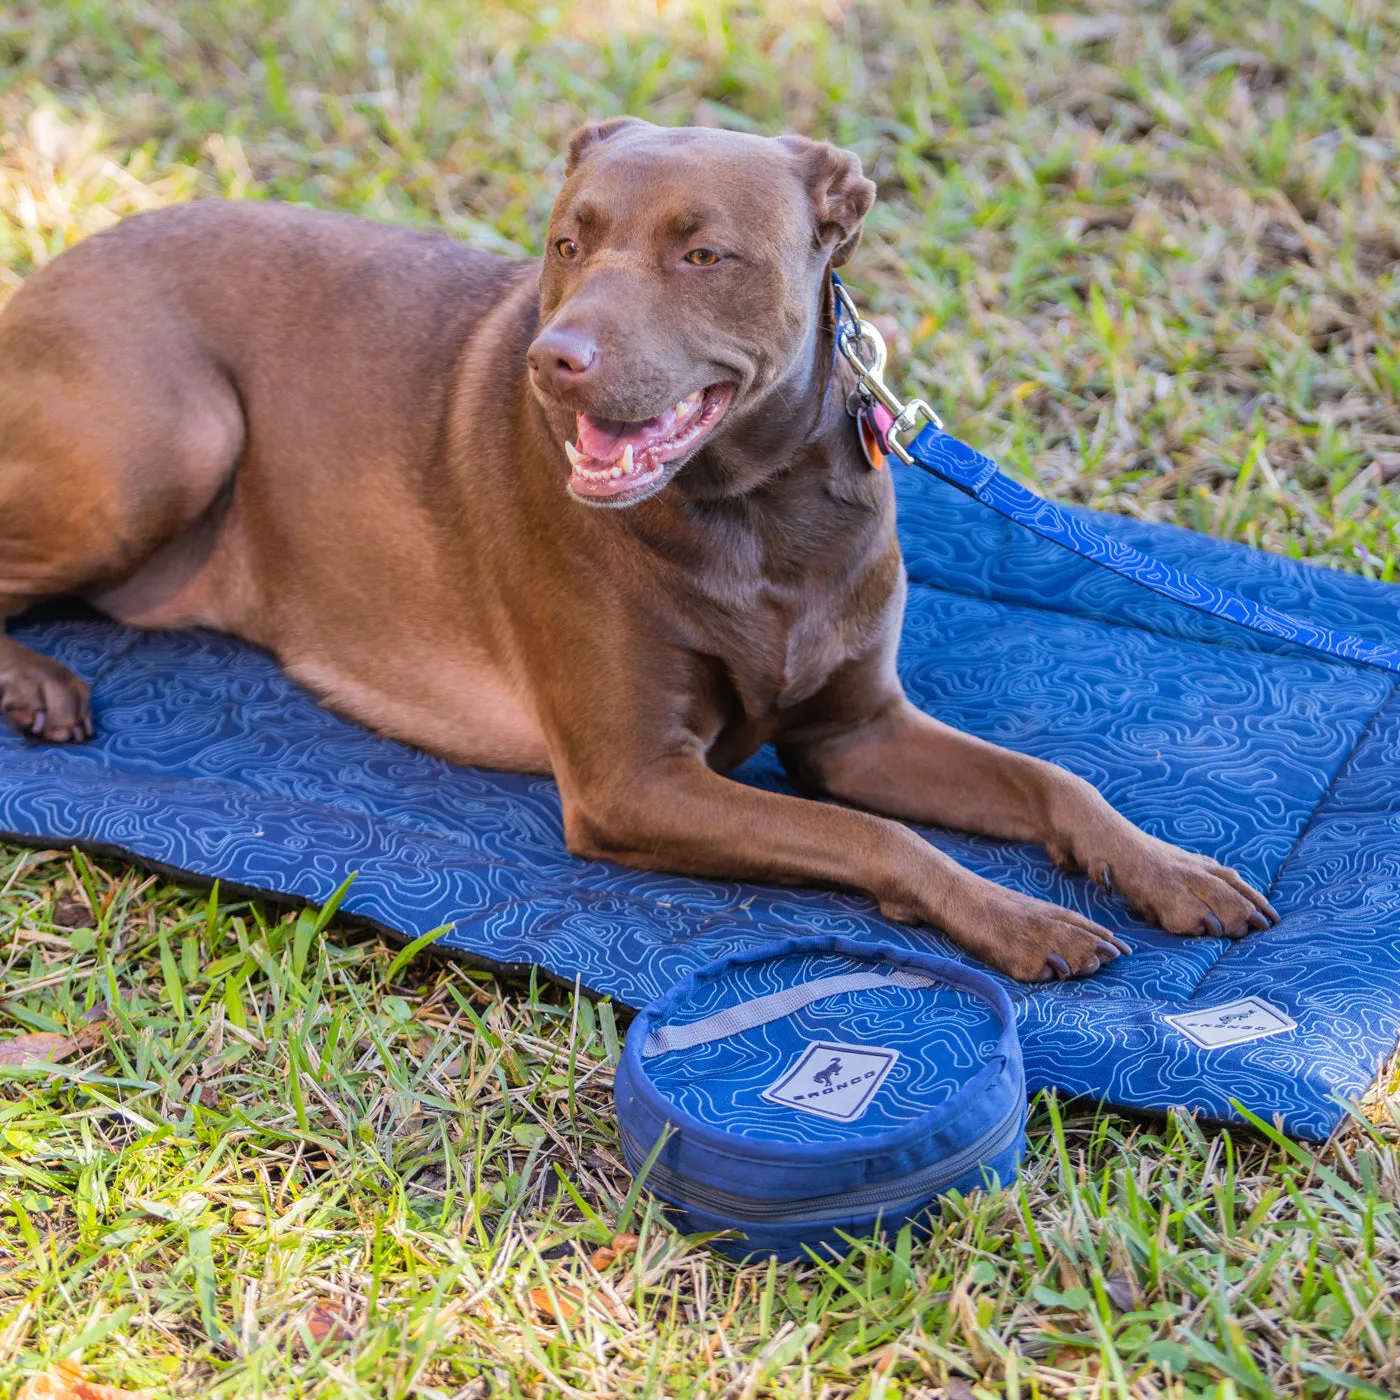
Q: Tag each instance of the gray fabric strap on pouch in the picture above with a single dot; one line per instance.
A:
(758, 1012)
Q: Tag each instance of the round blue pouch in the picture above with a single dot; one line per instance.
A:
(818, 1088)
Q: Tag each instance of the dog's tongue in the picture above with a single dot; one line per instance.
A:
(606, 439)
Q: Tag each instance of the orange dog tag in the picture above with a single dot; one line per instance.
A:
(875, 421)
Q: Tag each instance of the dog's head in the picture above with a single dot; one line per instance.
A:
(681, 293)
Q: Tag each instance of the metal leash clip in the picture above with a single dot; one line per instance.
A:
(854, 333)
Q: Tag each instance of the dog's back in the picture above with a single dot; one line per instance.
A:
(235, 416)
(148, 367)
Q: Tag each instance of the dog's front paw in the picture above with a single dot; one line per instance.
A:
(44, 699)
(1026, 938)
(1184, 892)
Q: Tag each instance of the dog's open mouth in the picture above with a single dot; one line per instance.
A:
(618, 462)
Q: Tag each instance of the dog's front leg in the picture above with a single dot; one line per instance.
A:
(898, 761)
(674, 813)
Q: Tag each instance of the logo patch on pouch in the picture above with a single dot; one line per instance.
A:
(1235, 1023)
(833, 1081)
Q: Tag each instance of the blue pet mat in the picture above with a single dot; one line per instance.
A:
(1279, 762)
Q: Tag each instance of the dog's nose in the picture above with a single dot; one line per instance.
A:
(561, 356)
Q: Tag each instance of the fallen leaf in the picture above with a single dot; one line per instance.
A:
(323, 1321)
(1122, 1292)
(567, 1302)
(562, 1306)
(71, 911)
(67, 1382)
(36, 1048)
(619, 1245)
(92, 1032)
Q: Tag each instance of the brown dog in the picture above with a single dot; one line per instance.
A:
(379, 454)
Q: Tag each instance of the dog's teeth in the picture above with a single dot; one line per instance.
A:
(573, 454)
(626, 468)
(616, 472)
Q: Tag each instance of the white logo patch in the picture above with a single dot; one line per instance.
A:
(833, 1081)
(1235, 1023)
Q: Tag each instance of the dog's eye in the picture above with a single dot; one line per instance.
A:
(702, 257)
(566, 248)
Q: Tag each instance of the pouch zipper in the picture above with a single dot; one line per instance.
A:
(903, 1190)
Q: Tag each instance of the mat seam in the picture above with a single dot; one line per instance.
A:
(1342, 769)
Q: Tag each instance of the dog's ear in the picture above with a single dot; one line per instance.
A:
(841, 195)
(595, 133)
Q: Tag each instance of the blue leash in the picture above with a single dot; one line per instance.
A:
(955, 462)
(944, 456)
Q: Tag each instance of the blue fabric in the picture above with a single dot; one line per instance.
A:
(963, 466)
(1267, 756)
(943, 1037)
(952, 1105)
(833, 1237)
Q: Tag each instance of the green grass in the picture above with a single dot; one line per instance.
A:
(1148, 256)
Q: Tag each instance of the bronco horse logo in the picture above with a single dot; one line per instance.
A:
(1235, 1018)
(825, 1077)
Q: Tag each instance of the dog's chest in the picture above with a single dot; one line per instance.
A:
(785, 588)
(784, 649)
(781, 640)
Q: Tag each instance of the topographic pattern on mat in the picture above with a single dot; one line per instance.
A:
(210, 762)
